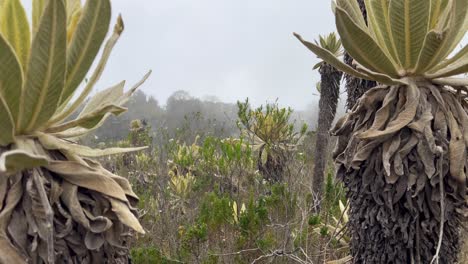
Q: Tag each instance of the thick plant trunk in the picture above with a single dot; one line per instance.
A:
(46, 219)
(329, 94)
(398, 153)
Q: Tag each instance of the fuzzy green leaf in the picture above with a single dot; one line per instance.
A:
(14, 27)
(126, 216)
(437, 7)
(53, 143)
(432, 43)
(105, 97)
(11, 79)
(87, 177)
(379, 23)
(73, 132)
(18, 160)
(441, 41)
(66, 110)
(72, 6)
(409, 21)
(46, 69)
(7, 127)
(338, 64)
(38, 8)
(361, 46)
(89, 120)
(85, 43)
(354, 11)
(457, 66)
(460, 55)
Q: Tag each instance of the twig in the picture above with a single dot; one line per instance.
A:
(435, 259)
(234, 253)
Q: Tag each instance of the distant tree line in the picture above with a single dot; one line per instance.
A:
(183, 117)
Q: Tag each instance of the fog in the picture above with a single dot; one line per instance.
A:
(227, 49)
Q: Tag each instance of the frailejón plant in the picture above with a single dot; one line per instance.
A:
(57, 205)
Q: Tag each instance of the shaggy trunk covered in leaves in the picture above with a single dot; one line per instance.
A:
(58, 205)
(404, 218)
(399, 183)
(329, 95)
(402, 150)
(47, 217)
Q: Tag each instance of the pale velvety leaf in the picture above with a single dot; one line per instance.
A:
(14, 27)
(458, 24)
(8, 253)
(426, 157)
(124, 99)
(53, 143)
(72, 6)
(7, 127)
(462, 117)
(447, 36)
(432, 43)
(85, 43)
(437, 7)
(18, 231)
(72, 25)
(354, 12)
(17, 160)
(403, 118)
(74, 12)
(409, 21)
(435, 38)
(123, 182)
(362, 47)
(337, 63)
(87, 177)
(451, 81)
(46, 69)
(38, 8)
(382, 115)
(105, 97)
(66, 110)
(98, 224)
(377, 15)
(460, 55)
(454, 67)
(70, 199)
(457, 150)
(11, 79)
(380, 78)
(69, 130)
(390, 147)
(89, 120)
(93, 241)
(126, 216)
(15, 192)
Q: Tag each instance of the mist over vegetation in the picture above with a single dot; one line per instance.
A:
(185, 116)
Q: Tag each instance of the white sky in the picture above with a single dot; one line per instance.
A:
(231, 49)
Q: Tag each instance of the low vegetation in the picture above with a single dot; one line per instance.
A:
(209, 201)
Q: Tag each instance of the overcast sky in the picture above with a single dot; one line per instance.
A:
(231, 49)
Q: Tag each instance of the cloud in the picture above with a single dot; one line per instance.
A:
(229, 49)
